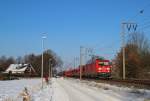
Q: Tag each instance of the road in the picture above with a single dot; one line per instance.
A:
(66, 90)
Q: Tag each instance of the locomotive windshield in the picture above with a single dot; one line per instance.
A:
(103, 63)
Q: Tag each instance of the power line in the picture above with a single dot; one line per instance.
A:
(146, 23)
(144, 26)
(141, 11)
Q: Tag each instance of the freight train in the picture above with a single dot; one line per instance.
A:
(97, 68)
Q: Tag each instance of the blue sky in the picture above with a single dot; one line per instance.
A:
(68, 24)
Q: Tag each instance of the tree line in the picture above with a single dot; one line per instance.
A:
(137, 58)
(50, 59)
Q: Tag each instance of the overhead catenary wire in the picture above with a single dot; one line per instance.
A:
(141, 11)
(135, 16)
(139, 27)
(146, 23)
(111, 45)
(144, 27)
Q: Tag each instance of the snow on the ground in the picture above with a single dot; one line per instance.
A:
(122, 93)
(62, 89)
(59, 94)
(12, 88)
(44, 94)
(51, 92)
(76, 90)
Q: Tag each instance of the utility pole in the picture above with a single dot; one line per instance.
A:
(43, 37)
(81, 60)
(74, 62)
(49, 68)
(86, 53)
(129, 26)
(123, 50)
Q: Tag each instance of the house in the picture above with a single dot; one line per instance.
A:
(20, 69)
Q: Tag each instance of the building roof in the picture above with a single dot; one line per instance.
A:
(18, 68)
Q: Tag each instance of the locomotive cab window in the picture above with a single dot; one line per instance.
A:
(106, 63)
(103, 63)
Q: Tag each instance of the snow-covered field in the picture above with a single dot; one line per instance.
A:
(70, 90)
(11, 89)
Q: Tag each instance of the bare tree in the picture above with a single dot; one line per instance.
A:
(5, 62)
(34, 60)
(137, 57)
(139, 40)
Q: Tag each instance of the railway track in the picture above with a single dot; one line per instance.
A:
(127, 82)
(142, 82)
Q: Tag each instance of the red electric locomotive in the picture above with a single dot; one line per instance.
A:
(97, 67)
(68, 73)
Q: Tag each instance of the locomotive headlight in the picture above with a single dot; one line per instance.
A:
(108, 69)
(99, 68)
